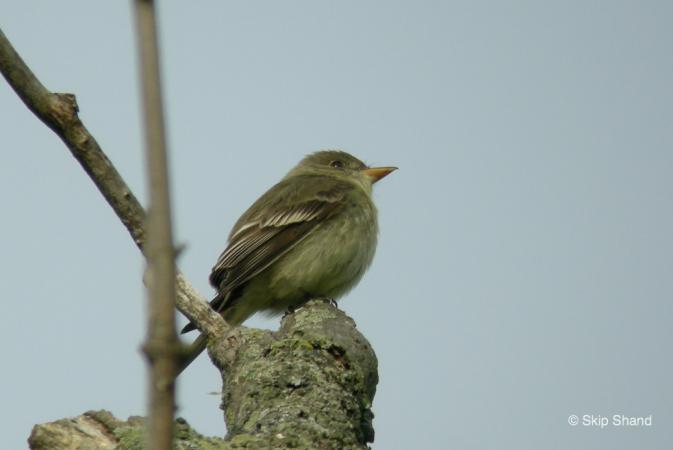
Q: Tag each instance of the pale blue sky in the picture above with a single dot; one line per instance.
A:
(525, 263)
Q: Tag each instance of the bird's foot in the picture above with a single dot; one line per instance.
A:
(289, 311)
(329, 301)
(294, 308)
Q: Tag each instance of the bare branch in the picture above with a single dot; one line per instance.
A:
(162, 347)
(59, 112)
(318, 357)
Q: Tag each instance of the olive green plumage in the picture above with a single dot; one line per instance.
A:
(311, 235)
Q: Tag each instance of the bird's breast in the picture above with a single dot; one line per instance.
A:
(332, 259)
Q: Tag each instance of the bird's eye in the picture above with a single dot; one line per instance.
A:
(337, 164)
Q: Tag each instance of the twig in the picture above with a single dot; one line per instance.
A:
(59, 112)
(161, 347)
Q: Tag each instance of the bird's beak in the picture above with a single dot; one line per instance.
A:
(376, 173)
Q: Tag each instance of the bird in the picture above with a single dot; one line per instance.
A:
(311, 235)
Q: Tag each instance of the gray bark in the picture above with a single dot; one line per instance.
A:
(309, 385)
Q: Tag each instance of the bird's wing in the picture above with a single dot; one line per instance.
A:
(262, 235)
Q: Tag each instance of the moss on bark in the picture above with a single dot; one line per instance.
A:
(310, 385)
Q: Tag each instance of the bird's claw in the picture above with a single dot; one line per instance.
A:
(289, 311)
(294, 308)
(329, 300)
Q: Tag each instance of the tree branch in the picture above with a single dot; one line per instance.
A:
(308, 385)
(59, 112)
(311, 384)
(162, 347)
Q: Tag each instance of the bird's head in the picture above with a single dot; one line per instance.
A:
(341, 165)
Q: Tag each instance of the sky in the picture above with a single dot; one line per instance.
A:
(524, 269)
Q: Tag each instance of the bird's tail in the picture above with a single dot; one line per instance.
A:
(219, 303)
(195, 349)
